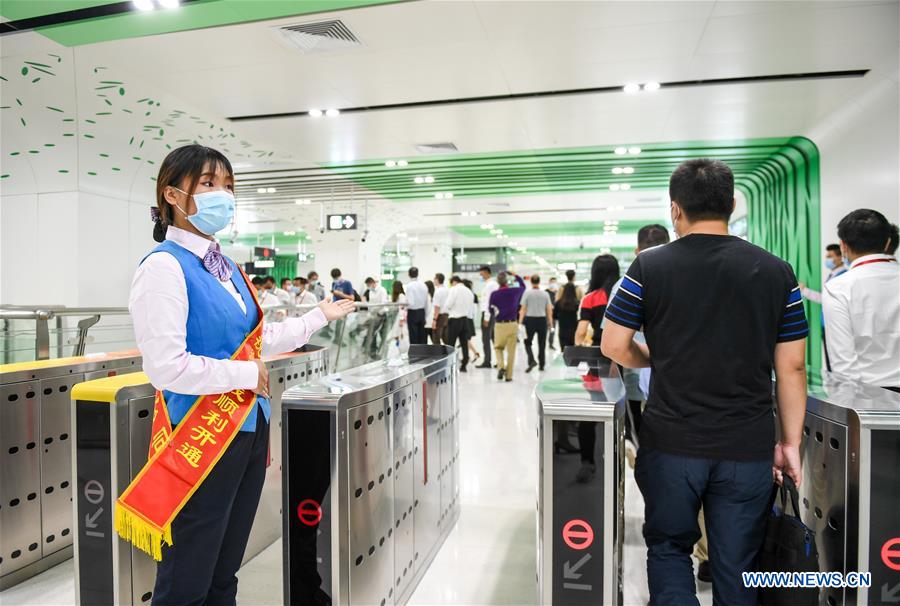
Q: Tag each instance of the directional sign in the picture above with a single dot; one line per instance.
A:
(890, 595)
(93, 492)
(578, 534)
(309, 512)
(890, 553)
(341, 222)
(261, 252)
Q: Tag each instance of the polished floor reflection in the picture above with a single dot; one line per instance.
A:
(490, 557)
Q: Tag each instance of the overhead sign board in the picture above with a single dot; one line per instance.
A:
(341, 222)
(262, 252)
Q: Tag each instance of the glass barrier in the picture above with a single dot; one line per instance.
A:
(42, 333)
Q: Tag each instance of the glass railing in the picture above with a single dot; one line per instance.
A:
(30, 333)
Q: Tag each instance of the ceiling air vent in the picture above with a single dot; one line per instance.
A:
(436, 148)
(319, 37)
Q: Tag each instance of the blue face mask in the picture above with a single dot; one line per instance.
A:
(829, 263)
(215, 211)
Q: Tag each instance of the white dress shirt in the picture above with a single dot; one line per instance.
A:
(440, 298)
(159, 310)
(490, 285)
(416, 294)
(862, 321)
(459, 301)
(378, 295)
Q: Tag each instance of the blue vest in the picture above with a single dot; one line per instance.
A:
(216, 326)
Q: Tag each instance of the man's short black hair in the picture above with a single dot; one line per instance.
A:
(704, 189)
(865, 231)
(268, 279)
(256, 281)
(652, 235)
(453, 279)
(895, 238)
(835, 248)
(502, 278)
(335, 273)
(310, 275)
(485, 268)
(535, 279)
(370, 279)
(570, 274)
(413, 272)
(439, 277)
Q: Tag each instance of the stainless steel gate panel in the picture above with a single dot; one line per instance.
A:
(428, 493)
(139, 412)
(56, 461)
(371, 512)
(20, 468)
(405, 402)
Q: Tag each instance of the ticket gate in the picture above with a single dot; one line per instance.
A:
(580, 518)
(850, 494)
(111, 437)
(371, 478)
(35, 458)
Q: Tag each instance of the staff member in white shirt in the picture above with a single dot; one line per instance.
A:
(417, 298)
(304, 296)
(193, 312)
(375, 292)
(459, 305)
(862, 307)
(487, 317)
(439, 326)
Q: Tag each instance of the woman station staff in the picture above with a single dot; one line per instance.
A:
(199, 328)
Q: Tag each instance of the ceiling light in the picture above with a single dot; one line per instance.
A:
(143, 5)
(448, 195)
(260, 190)
(490, 226)
(331, 113)
(484, 226)
(429, 179)
(439, 195)
(419, 180)
(626, 186)
(302, 201)
(617, 170)
(270, 190)
(651, 86)
(402, 163)
(402, 234)
(621, 151)
(169, 3)
(631, 88)
(290, 233)
(315, 113)
(614, 187)
(390, 164)
(628, 170)
(620, 208)
(634, 150)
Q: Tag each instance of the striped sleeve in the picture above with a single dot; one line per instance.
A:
(627, 306)
(793, 325)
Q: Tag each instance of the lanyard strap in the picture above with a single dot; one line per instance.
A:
(874, 261)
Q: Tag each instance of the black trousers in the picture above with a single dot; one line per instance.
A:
(458, 329)
(536, 326)
(487, 335)
(210, 533)
(441, 334)
(415, 319)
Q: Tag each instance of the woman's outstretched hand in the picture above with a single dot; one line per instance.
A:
(335, 310)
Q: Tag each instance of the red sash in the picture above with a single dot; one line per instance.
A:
(179, 461)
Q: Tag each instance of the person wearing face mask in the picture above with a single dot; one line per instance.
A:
(836, 265)
(304, 296)
(315, 286)
(862, 308)
(201, 333)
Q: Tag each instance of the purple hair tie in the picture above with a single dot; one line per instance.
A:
(154, 214)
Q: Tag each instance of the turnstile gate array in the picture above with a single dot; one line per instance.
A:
(35, 458)
(850, 494)
(580, 521)
(113, 419)
(371, 479)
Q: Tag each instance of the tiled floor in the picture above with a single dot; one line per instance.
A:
(490, 557)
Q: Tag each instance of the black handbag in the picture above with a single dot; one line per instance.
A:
(789, 546)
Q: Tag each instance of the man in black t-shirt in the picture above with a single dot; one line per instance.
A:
(718, 314)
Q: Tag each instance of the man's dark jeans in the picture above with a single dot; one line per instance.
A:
(536, 327)
(735, 497)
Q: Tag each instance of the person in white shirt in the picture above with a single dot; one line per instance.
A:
(283, 296)
(417, 298)
(194, 312)
(439, 325)
(862, 307)
(315, 286)
(487, 318)
(304, 295)
(458, 306)
(375, 292)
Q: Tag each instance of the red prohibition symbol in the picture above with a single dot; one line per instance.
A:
(309, 512)
(890, 553)
(578, 534)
